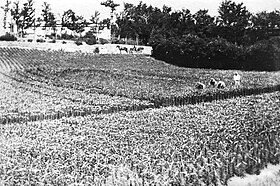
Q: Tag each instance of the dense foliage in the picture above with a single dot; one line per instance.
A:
(8, 37)
(200, 40)
(24, 17)
(192, 51)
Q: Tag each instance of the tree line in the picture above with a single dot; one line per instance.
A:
(235, 39)
(230, 40)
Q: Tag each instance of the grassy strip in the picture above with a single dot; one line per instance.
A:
(191, 145)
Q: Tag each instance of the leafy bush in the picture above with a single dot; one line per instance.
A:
(263, 55)
(29, 40)
(118, 41)
(66, 36)
(192, 51)
(103, 41)
(91, 41)
(78, 42)
(223, 54)
(52, 41)
(218, 53)
(132, 42)
(40, 40)
(64, 42)
(8, 37)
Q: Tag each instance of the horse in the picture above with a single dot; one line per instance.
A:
(134, 49)
(122, 48)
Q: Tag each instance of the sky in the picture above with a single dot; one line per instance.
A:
(87, 8)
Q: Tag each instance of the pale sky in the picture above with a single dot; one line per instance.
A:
(87, 8)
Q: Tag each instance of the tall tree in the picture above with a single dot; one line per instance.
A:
(6, 9)
(16, 15)
(48, 17)
(27, 15)
(73, 22)
(265, 24)
(233, 20)
(204, 24)
(95, 20)
(112, 5)
(137, 21)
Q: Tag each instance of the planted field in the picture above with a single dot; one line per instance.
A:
(203, 144)
(30, 101)
(83, 119)
(135, 77)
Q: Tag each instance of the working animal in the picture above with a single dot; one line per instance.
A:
(122, 48)
(134, 49)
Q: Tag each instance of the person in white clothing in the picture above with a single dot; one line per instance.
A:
(236, 78)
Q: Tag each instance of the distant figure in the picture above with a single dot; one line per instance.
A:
(122, 48)
(221, 84)
(200, 85)
(137, 50)
(236, 79)
(132, 49)
(213, 82)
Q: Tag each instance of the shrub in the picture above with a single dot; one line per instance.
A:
(52, 41)
(8, 37)
(29, 40)
(66, 36)
(132, 42)
(263, 55)
(103, 41)
(193, 51)
(40, 40)
(78, 42)
(118, 41)
(223, 54)
(64, 42)
(91, 41)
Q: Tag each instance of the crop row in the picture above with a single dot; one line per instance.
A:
(162, 89)
(137, 77)
(31, 101)
(202, 144)
(139, 66)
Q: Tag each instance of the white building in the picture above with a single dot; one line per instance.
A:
(41, 32)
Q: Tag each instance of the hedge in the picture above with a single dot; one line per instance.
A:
(218, 53)
(8, 37)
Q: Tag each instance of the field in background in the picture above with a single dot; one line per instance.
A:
(70, 46)
(76, 118)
